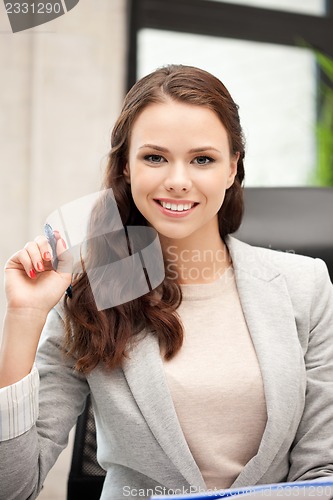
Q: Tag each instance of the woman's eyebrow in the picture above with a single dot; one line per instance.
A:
(204, 148)
(154, 146)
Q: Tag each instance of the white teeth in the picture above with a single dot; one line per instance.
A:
(177, 208)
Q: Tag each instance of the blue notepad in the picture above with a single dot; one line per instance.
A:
(299, 489)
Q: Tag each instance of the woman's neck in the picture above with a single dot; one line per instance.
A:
(195, 260)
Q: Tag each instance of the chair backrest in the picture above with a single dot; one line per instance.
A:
(86, 477)
(296, 220)
(289, 219)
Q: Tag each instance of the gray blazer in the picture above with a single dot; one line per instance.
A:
(288, 305)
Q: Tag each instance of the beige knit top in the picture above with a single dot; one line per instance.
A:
(215, 382)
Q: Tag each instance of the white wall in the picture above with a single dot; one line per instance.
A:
(61, 85)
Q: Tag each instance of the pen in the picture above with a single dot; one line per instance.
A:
(49, 233)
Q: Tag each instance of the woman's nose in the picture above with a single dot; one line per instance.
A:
(178, 179)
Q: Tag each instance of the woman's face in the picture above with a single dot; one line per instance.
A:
(179, 168)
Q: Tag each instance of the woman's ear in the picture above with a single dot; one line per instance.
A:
(126, 173)
(233, 169)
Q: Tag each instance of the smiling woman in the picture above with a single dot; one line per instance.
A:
(181, 192)
(221, 375)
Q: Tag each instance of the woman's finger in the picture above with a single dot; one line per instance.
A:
(44, 248)
(22, 259)
(35, 255)
(65, 258)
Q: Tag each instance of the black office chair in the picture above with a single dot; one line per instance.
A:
(288, 219)
(86, 477)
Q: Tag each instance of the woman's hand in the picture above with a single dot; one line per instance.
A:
(32, 288)
(31, 283)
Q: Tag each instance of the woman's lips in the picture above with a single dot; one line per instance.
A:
(176, 209)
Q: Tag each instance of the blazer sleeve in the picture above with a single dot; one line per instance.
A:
(26, 459)
(311, 456)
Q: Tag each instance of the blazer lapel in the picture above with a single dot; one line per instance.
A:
(144, 373)
(270, 318)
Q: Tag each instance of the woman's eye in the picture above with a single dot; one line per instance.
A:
(203, 160)
(154, 158)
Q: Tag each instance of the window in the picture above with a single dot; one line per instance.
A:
(256, 52)
(314, 7)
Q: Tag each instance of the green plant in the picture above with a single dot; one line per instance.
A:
(324, 128)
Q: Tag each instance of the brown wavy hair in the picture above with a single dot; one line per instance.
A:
(94, 336)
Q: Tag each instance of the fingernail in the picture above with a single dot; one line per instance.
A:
(64, 243)
(46, 256)
(32, 273)
(40, 266)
